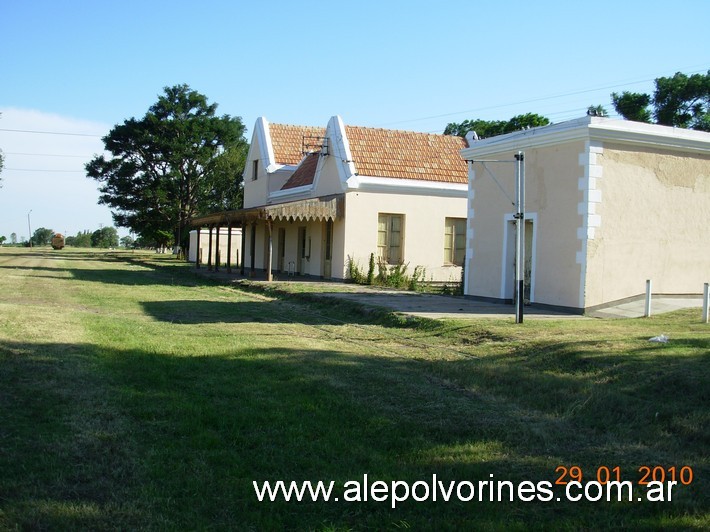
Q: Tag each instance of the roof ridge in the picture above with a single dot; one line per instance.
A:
(296, 126)
(441, 135)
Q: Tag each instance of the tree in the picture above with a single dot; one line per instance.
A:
(127, 241)
(13, 238)
(632, 105)
(42, 237)
(2, 240)
(596, 110)
(81, 240)
(491, 128)
(678, 101)
(106, 237)
(179, 160)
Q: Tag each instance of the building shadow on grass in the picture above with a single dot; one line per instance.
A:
(192, 312)
(129, 438)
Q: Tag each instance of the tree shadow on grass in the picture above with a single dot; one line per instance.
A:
(128, 277)
(111, 438)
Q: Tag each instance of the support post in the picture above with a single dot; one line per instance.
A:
(209, 252)
(269, 275)
(197, 250)
(252, 247)
(519, 236)
(244, 247)
(229, 247)
(706, 303)
(647, 306)
(217, 257)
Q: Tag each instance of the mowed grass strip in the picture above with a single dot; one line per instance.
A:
(136, 395)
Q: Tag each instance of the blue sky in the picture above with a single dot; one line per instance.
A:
(82, 67)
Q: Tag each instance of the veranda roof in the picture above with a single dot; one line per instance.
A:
(312, 209)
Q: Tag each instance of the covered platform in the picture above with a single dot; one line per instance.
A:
(326, 208)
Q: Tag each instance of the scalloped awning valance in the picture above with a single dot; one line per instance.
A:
(312, 209)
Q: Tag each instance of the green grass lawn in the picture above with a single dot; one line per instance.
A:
(136, 395)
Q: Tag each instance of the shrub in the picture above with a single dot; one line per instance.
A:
(417, 279)
(354, 272)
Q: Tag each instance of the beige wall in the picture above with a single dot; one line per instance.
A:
(424, 219)
(315, 246)
(655, 214)
(223, 241)
(552, 197)
(607, 216)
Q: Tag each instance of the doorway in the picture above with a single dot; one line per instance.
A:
(303, 253)
(281, 253)
(509, 285)
(328, 250)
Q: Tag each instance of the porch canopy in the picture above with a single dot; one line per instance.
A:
(312, 209)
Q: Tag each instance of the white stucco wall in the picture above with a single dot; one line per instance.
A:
(256, 185)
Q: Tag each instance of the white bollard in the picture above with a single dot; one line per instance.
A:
(706, 303)
(647, 308)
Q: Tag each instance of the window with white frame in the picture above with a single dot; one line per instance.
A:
(455, 241)
(389, 237)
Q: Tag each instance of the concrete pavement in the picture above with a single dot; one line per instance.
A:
(437, 306)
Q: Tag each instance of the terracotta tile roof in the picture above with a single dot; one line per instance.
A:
(407, 155)
(287, 141)
(305, 173)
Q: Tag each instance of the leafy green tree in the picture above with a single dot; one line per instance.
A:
(632, 105)
(106, 237)
(179, 160)
(596, 110)
(2, 240)
(156, 240)
(42, 237)
(81, 240)
(127, 241)
(678, 101)
(491, 128)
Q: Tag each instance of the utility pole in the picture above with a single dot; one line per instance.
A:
(519, 236)
(29, 227)
(519, 203)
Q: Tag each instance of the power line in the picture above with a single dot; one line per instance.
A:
(542, 98)
(46, 155)
(51, 133)
(44, 171)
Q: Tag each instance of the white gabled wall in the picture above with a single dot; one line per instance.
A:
(256, 190)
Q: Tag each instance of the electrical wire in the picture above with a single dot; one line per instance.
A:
(46, 155)
(557, 115)
(542, 98)
(44, 170)
(63, 133)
